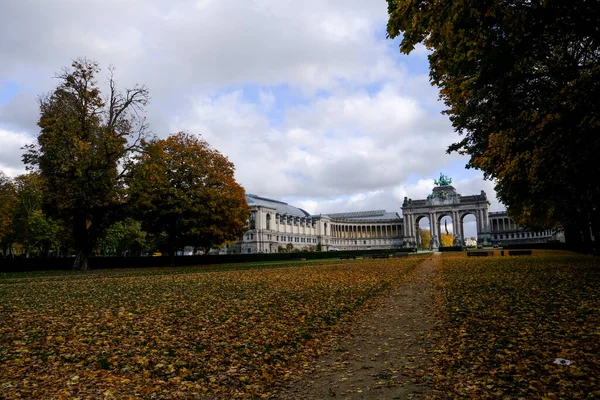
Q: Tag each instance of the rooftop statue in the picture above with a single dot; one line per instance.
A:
(443, 181)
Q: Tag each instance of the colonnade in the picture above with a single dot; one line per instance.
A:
(360, 231)
(503, 224)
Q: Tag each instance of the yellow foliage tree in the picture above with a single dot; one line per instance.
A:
(425, 237)
(447, 240)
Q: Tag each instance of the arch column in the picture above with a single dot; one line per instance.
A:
(482, 221)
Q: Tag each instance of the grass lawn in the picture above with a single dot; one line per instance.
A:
(239, 331)
(507, 319)
(176, 333)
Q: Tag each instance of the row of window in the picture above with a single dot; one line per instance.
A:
(291, 221)
(296, 239)
(522, 235)
(373, 241)
(252, 224)
(289, 239)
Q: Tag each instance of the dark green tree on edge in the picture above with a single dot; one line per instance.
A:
(521, 80)
(83, 150)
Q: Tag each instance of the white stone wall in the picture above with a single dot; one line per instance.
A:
(307, 234)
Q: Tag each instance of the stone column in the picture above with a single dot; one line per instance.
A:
(454, 225)
(431, 228)
(431, 224)
(483, 226)
(485, 221)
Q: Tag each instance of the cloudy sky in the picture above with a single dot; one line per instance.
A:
(309, 99)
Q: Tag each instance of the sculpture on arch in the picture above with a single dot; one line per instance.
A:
(433, 243)
(443, 181)
(457, 240)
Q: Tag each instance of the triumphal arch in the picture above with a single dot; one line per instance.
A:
(445, 201)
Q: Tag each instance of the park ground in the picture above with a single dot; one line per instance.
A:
(427, 326)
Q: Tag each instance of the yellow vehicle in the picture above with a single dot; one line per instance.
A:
(157, 254)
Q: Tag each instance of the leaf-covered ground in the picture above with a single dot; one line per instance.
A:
(508, 318)
(221, 334)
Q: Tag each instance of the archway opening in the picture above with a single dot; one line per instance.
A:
(447, 231)
(423, 233)
(469, 223)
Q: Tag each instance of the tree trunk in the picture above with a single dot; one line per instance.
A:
(82, 242)
(595, 226)
(172, 257)
(81, 261)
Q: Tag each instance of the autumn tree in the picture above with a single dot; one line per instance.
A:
(83, 149)
(447, 240)
(187, 189)
(521, 80)
(424, 238)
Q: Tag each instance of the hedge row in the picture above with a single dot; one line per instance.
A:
(46, 264)
(451, 248)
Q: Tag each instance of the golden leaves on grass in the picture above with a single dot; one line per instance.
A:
(215, 335)
(507, 319)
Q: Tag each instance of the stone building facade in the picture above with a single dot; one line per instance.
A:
(444, 201)
(276, 226)
(503, 231)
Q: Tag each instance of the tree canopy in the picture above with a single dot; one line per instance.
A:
(187, 190)
(521, 80)
(83, 151)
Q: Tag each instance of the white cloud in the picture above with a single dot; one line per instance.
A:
(307, 99)
(10, 152)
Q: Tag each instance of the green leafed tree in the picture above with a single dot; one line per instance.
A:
(33, 228)
(84, 149)
(124, 238)
(521, 80)
(187, 190)
(7, 204)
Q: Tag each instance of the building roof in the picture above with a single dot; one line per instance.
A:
(375, 215)
(279, 206)
(357, 216)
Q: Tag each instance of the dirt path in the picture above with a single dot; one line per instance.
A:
(381, 357)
